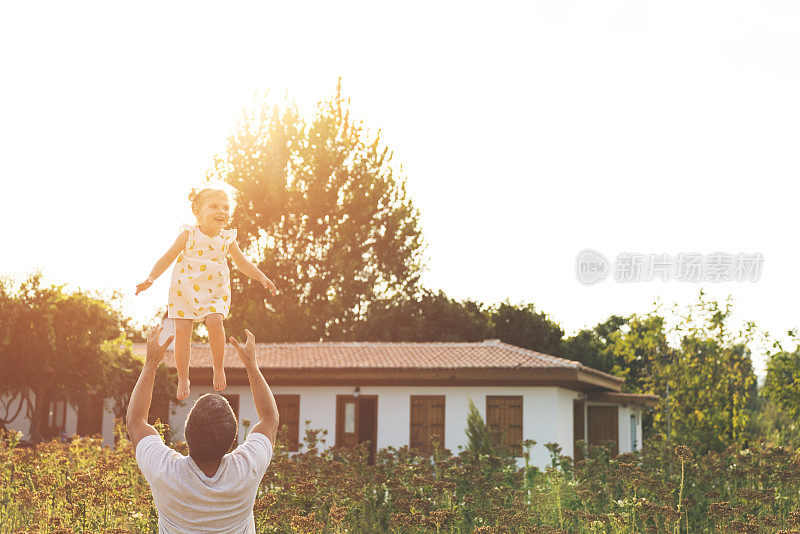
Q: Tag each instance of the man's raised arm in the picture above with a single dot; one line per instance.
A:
(262, 396)
(139, 405)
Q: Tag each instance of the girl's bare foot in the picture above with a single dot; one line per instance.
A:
(183, 388)
(219, 379)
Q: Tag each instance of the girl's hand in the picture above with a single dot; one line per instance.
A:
(144, 285)
(267, 283)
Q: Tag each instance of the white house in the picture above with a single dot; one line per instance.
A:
(398, 394)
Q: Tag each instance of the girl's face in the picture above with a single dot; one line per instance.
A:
(215, 212)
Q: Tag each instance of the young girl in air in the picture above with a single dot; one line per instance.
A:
(200, 289)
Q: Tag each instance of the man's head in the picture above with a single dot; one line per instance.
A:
(210, 428)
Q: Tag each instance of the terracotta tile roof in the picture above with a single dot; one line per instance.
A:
(489, 354)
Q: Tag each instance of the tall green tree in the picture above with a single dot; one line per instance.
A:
(51, 345)
(772, 424)
(634, 348)
(781, 391)
(525, 327)
(711, 379)
(640, 351)
(429, 316)
(593, 347)
(322, 211)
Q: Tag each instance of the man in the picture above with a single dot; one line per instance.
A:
(208, 490)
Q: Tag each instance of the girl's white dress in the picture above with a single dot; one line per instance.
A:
(201, 280)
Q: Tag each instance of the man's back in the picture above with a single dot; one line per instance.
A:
(188, 501)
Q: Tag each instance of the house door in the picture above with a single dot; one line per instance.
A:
(357, 422)
(604, 425)
(578, 428)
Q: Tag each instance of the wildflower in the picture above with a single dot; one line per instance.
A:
(684, 453)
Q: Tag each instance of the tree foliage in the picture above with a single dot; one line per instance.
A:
(640, 351)
(525, 327)
(708, 368)
(64, 346)
(122, 372)
(322, 212)
(427, 317)
(711, 379)
(478, 436)
(782, 390)
(593, 347)
(51, 345)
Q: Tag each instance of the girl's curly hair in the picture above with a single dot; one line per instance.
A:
(198, 195)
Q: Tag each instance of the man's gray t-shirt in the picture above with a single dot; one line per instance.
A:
(188, 501)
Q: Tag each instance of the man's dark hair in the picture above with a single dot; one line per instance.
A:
(211, 428)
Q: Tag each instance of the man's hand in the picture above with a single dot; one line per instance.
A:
(155, 352)
(247, 353)
(144, 285)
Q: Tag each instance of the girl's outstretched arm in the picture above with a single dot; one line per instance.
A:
(247, 267)
(165, 261)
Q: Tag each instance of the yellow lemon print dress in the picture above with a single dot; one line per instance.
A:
(201, 280)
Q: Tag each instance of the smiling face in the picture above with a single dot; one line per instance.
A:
(214, 211)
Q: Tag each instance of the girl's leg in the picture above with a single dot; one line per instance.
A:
(216, 337)
(183, 338)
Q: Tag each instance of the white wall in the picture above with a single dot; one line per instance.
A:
(546, 412)
(22, 424)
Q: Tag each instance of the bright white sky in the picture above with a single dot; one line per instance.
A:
(527, 132)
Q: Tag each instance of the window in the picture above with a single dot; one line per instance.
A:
(427, 420)
(504, 421)
(289, 414)
(633, 432)
(350, 417)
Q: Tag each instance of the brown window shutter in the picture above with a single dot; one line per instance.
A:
(504, 420)
(427, 420)
(289, 414)
(604, 425)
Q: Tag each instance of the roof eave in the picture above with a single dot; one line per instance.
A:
(569, 378)
(624, 398)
